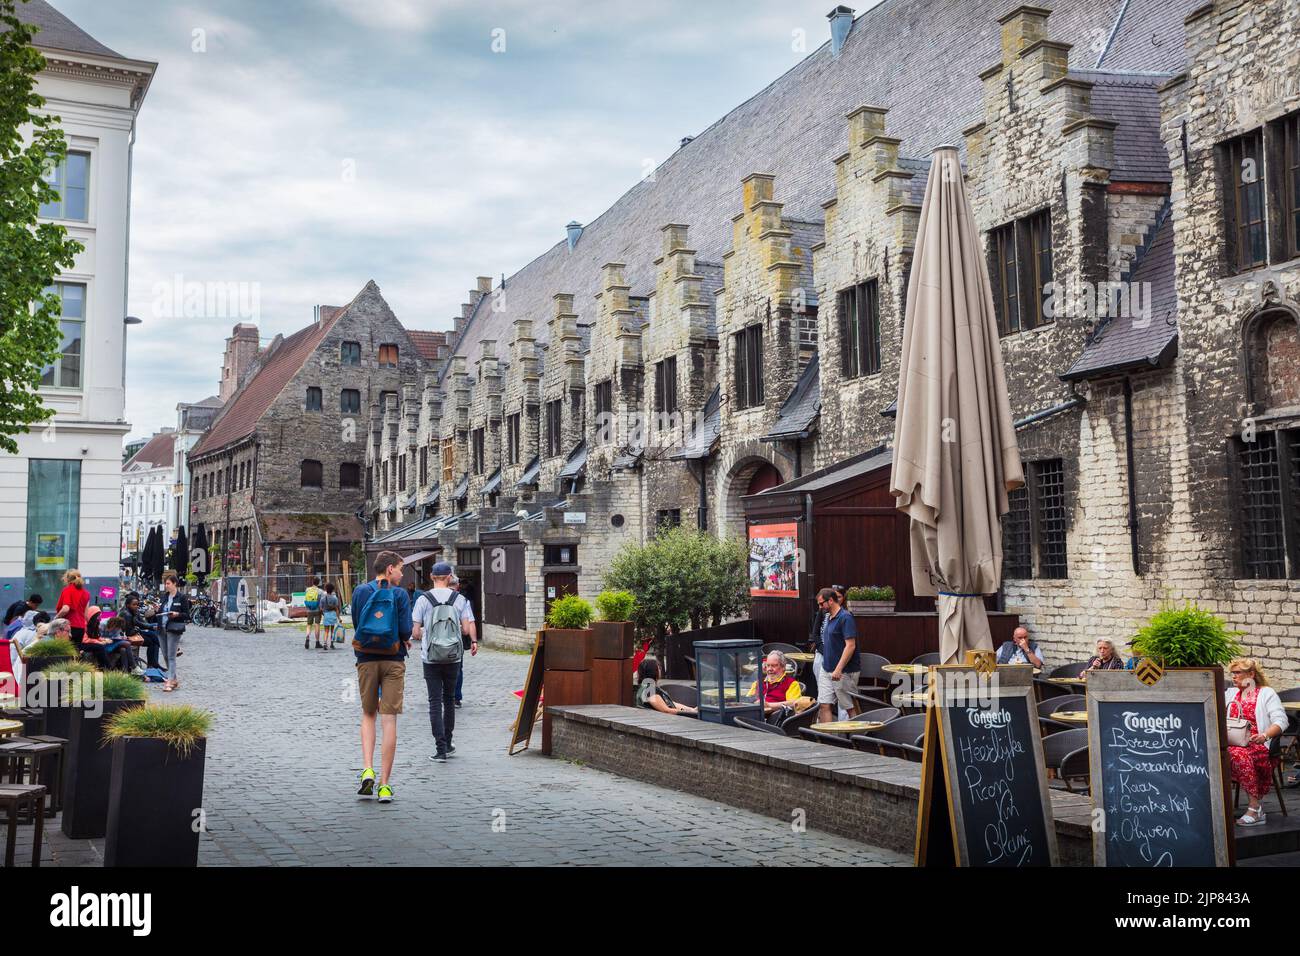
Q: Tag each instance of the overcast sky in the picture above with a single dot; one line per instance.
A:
(302, 147)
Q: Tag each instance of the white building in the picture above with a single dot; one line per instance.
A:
(192, 420)
(147, 491)
(61, 496)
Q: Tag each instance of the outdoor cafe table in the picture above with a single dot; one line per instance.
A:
(10, 727)
(915, 700)
(848, 726)
(904, 668)
(799, 657)
(1073, 681)
(1071, 716)
(1291, 704)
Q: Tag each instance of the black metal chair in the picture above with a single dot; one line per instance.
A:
(816, 736)
(1069, 670)
(685, 694)
(1293, 726)
(872, 676)
(1052, 705)
(882, 714)
(750, 723)
(886, 748)
(929, 660)
(1045, 690)
(908, 731)
(1075, 766)
(867, 703)
(795, 722)
(1058, 746)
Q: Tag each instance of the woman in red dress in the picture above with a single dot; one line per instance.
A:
(72, 603)
(1252, 766)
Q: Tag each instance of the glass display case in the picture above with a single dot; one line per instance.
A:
(727, 677)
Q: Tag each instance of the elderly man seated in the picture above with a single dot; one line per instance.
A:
(780, 689)
(1021, 649)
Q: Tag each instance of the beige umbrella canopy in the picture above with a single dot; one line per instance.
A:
(955, 452)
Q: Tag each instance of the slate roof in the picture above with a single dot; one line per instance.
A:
(410, 532)
(832, 475)
(1133, 341)
(58, 32)
(576, 464)
(240, 416)
(701, 441)
(904, 54)
(1150, 37)
(1132, 101)
(799, 412)
(157, 452)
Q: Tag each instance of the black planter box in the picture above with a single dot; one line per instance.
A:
(39, 664)
(153, 795)
(87, 772)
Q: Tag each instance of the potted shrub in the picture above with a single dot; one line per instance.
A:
(568, 634)
(155, 790)
(47, 652)
(88, 763)
(1187, 636)
(871, 599)
(613, 637)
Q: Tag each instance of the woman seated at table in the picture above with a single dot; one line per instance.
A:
(1105, 659)
(780, 689)
(1258, 704)
(104, 643)
(650, 694)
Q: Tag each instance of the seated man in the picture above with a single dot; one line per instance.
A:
(1020, 649)
(780, 689)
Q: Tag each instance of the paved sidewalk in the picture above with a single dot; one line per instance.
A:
(284, 755)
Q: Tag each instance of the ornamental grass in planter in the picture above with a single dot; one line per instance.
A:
(568, 634)
(156, 786)
(872, 599)
(89, 762)
(614, 635)
(49, 687)
(48, 651)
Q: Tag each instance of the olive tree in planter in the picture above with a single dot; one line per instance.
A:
(568, 634)
(873, 599)
(614, 635)
(89, 762)
(155, 796)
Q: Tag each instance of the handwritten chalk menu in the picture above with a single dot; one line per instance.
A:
(1157, 770)
(983, 772)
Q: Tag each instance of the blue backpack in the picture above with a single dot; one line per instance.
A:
(376, 632)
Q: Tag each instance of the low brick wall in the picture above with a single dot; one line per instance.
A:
(861, 796)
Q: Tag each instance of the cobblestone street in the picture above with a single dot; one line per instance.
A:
(283, 760)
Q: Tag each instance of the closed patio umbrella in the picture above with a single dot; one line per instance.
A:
(201, 541)
(955, 452)
(181, 553)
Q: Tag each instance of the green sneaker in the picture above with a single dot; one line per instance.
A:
(367, 783)
(385, 793)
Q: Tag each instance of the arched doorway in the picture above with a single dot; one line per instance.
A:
(765, 476)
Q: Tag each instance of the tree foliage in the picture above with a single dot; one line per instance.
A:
(682, 578)
(31, 252)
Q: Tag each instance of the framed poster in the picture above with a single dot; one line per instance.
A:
(51, 551)
(774, 560)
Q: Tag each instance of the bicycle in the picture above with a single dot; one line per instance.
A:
(246, 621)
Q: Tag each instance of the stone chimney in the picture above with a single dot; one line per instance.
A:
(240, 356)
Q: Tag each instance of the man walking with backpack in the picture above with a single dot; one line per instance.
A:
(443, 624)
(381, 616)
(311, 600)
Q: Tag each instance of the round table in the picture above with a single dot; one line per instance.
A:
(10, 727)
(848, 727)
(905, 668)
(919, 698)
(1075, 681)
(1071, 716)
(799, 657)
(1291, 704)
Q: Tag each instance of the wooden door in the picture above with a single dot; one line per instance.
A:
(557, 584)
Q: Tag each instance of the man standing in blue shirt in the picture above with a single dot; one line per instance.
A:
(381, 678)
(836, 664)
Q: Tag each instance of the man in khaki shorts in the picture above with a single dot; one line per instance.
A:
(836, 663)
(381, 677)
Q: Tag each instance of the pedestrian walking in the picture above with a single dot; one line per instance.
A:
(311, 600)
(329, 620)
(72, 603)
(381, 616)
(454, 584)
(443, 622)
(172, 618)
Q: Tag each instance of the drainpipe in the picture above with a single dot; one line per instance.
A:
(1132, 475)
(798, 458)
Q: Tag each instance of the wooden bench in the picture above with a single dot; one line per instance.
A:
(13, 797)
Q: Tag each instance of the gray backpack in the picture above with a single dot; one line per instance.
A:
(442, 644)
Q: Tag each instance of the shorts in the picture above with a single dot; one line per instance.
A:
(835, 691)
(330, 618)
(391, 676)
(313, 617)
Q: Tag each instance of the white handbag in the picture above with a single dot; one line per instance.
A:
(1238, 729)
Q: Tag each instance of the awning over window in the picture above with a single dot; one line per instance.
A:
(576, 464)
(529, 480)
(432, 496)
(493, 484)
(462, 488)
(699, 443)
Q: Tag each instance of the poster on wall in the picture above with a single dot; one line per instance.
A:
(51, 551)
(773, 560)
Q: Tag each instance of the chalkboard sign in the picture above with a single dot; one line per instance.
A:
(983, 773)
(1157, 770)
(530, 700)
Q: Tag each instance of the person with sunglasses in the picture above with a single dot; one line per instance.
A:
(1252, 700)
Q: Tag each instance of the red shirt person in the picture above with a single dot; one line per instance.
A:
(72, 603)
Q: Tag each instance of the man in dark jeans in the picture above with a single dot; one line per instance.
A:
(440, 678)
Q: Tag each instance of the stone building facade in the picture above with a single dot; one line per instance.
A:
(1149, 328)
